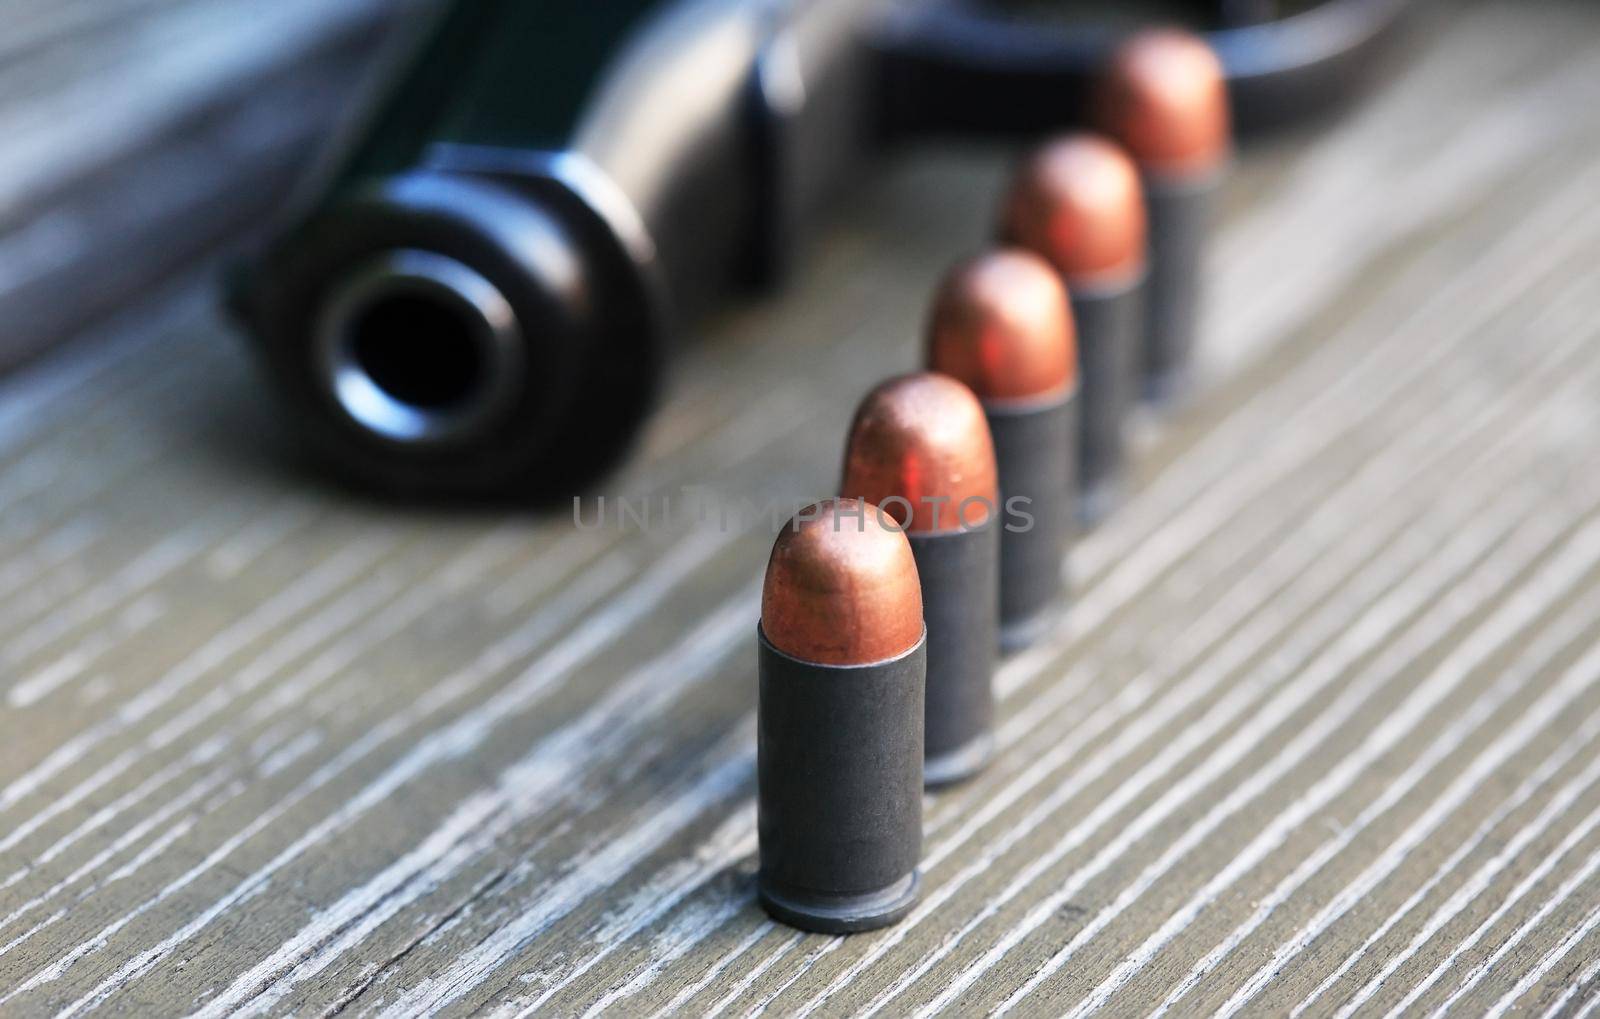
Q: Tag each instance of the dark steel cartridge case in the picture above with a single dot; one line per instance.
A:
(1180, 211)
(840, 751)
(1110, 325)
(1036, 450)
(960, 575)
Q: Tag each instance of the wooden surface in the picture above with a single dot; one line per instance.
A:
(1321, 733)
(141, 134)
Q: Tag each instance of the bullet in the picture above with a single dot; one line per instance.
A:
(1076, 202)
(842, 662)
(920, 450)
(1001, 325)
(1164, 97)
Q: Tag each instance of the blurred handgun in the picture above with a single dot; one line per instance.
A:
(478, 291)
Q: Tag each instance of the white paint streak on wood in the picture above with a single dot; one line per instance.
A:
(730, 772)
(27, 692)
(258, 670)
(245, 890)
(514, 593)
(30, 932)
(51, 551)
(1516, 739)
(117, 766)
(716, 969)
(1480, 880)
(679, 939)
(232, 557)
(310, 589)
(1420, 188)
(1554, 957)
(144, 572)
(134, 834)
(294, 644)
(359, 601)
(128, 839)
(208, 751)
(732, 841)
(1475, 886)
(1579, 983)
(611, 725)
(199, 755)
(1538, 384)
(1567, 566)
(740, 987)
(455, 740)
(157, 846)
(296, 688)
(1563, 892)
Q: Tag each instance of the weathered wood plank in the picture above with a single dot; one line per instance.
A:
(140, 134)
(1322, 731)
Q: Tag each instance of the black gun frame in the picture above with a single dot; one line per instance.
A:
(478, 294)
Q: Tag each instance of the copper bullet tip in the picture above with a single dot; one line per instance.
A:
(920, 449)
(1166, 99)
(1077, 201)
(841, 589)
(1002, 325)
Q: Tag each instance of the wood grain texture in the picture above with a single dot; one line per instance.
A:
(141, 135)
(1320, 736)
